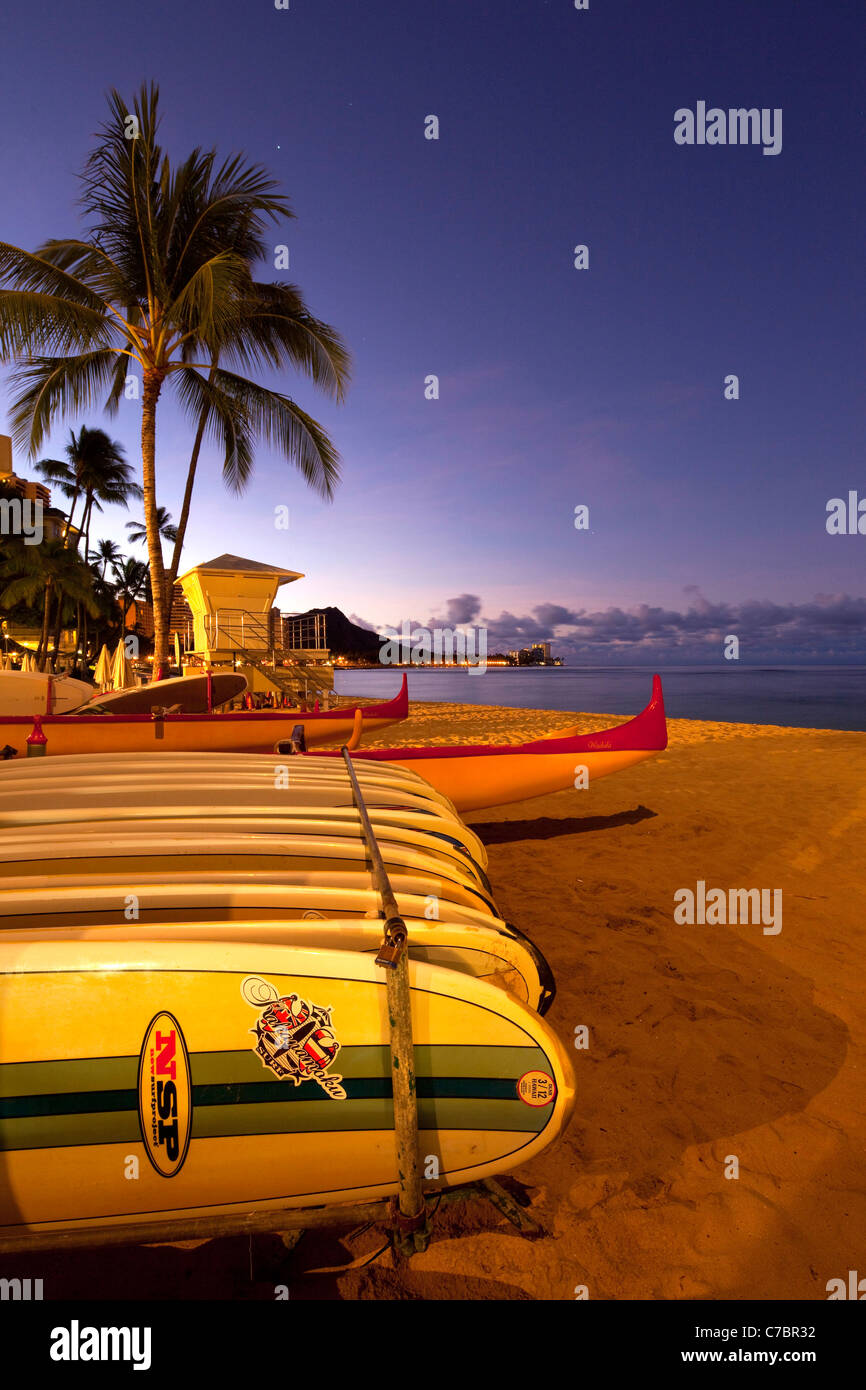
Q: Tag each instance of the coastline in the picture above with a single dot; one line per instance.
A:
(435, 722)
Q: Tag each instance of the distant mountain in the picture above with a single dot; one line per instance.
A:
(345, 638)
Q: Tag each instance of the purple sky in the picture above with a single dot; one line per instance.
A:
(454, 257)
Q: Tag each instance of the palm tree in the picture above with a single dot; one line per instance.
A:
(131, 581)
(138, 532)
(96, 469)
(105, 554)
(164, 280)
(30, 571)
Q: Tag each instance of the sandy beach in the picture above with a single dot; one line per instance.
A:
(706, 1043)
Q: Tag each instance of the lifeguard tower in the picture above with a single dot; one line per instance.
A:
(234, 623)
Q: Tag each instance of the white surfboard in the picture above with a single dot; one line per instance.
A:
(27, 692)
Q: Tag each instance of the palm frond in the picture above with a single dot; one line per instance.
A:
(280, 422)
(33, 323)
(48, 387)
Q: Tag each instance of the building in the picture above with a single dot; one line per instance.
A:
(29, 490)
(536, 655)
(25, 508)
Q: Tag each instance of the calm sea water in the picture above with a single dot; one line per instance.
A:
(806, 697)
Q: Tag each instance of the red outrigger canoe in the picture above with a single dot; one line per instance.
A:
(245, 732)
(476, 776)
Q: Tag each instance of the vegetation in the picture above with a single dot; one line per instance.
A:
(163, 282)
(51, 585)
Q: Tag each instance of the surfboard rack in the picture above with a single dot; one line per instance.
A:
(290, 1224)
(409, 1226)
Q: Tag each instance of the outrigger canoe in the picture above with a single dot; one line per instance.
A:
(246, 1076)
(476, 776)
(254, 731)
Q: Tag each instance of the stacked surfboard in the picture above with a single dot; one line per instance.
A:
(192, 1021)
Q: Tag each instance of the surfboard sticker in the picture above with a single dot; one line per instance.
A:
(165, 1095)
(294, 1039)
(536, 1088)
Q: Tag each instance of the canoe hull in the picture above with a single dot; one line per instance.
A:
(244, 732)
(472, 784)
(194, 1067)
(476, 778)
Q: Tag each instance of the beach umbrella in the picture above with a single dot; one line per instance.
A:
(177, 651)
(121, 671)
(29, 662)
(4, 662)
(102, 674)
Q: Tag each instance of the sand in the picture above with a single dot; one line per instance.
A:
(706, 1043)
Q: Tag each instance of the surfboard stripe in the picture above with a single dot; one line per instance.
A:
(89, 1074)
(252, 1103)
(267, 1114)
(256, 1092)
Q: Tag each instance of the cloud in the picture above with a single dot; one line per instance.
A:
(362, 622)
(830, 627)
(463, 609)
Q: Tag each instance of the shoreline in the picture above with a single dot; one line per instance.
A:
(508, 724)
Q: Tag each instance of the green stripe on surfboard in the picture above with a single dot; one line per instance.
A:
(214, 1068)
(276, 1117)
(233, 1094)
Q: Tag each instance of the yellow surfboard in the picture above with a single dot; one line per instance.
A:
(151, 1081)
(496, 951)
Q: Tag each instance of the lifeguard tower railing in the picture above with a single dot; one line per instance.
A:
(290, 652)
(307, 633)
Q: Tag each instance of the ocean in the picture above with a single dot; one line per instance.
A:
(806, 697)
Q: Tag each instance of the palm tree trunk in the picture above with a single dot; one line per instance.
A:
(41, 650)
(150, 395)
(187, 499)
(58, 625)
(69, 518)
(81, 630)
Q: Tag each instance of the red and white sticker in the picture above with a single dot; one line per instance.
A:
(536, 1088)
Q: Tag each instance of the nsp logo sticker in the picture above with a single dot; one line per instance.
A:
(165, 1095)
